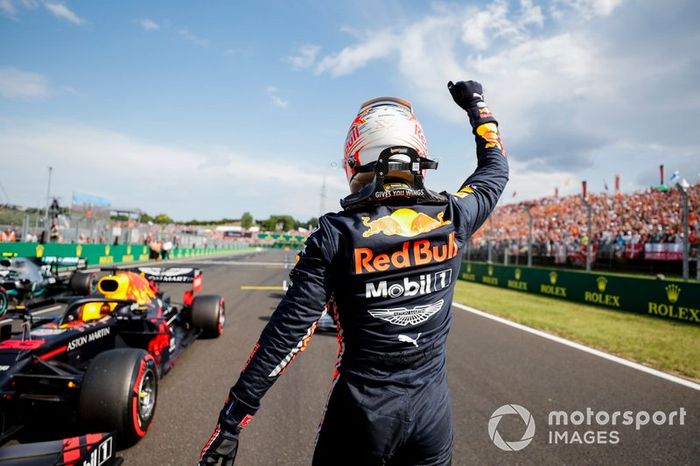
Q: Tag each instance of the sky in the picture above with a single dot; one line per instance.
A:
(210, 109)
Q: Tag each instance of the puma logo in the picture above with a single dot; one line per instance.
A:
(406, 339)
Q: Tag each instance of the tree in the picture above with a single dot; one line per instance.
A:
(313, 222)
(246, 220)
(285, 222)
(145, 218)
(162, 219)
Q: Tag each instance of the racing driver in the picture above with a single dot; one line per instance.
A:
(389, 261)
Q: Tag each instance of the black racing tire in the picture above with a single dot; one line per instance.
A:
(4, 301)
(119, 393)
(209, 315)
(83, 283)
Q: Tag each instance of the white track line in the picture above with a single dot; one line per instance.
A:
(580, 347)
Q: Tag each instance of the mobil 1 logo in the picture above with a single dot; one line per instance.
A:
(409, 286)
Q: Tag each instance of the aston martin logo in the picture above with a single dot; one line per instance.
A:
(404, 316)
(673, 292)
(602, 284)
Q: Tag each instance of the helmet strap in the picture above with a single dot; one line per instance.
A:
(377, 191)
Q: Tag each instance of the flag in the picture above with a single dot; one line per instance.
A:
(514, 193)
(675, 178)
(556, 192)
(617, 183)
(661, 174)
(584, 186)
(605, 185)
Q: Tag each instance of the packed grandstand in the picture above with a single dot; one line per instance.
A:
(642, 225)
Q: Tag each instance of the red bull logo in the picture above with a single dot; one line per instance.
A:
(411, 254)
(403, 222)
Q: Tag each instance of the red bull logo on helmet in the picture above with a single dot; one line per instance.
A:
(403, 222)
(410, 254)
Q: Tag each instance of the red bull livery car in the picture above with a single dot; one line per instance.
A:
(96, 366)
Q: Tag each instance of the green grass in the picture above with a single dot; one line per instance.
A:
(665, 345)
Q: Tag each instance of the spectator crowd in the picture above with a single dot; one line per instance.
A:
(622, 224)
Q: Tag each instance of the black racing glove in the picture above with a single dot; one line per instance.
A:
(470, 96)
(223, 444)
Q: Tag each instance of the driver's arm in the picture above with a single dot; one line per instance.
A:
(479, 194)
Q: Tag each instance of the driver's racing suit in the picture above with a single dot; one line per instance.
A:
(391, 271)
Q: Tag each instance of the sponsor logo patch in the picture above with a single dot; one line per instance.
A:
(410, 254)
(409, 286)
(404, 316)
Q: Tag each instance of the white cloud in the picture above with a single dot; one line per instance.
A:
(194, 38)
(149, 24)
(304, 57)
(150, 173)
(354, 57)
(521, 73)
(587, 8)
(62, 11)
(7, 7)
(496, 22)
(19, 84)
(273, 93)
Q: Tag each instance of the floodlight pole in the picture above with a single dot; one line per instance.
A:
(529, 234)
(490, 245)
(686, 242)
(47, 227)
(589, 246)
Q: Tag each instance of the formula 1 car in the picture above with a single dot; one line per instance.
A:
(97, 365)
(26, 281)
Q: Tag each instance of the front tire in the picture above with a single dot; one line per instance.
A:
(4, 301)
(119, 393)
(209, 314)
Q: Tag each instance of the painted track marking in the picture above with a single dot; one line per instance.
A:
(262, 288)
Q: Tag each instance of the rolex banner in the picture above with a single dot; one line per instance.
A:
(679, 301)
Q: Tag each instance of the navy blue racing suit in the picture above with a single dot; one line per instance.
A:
(391, 271)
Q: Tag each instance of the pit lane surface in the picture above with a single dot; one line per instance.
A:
(489, 365)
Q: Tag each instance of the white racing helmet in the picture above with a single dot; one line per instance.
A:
(381, 123)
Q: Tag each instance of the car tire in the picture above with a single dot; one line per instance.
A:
(119, 393)
(83, 283)
(4, 301)
(209, 315)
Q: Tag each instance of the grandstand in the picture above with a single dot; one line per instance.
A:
(641, 231)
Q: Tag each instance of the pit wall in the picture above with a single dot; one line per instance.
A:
(674, 300)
